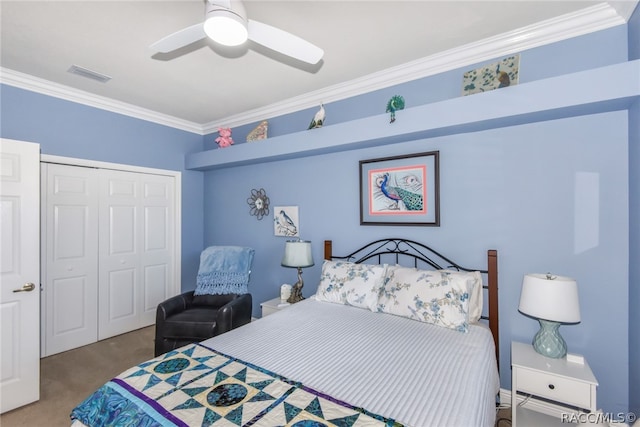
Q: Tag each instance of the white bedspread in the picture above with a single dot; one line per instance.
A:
(418, 374)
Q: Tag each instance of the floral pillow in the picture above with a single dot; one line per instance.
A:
(474, 280)
(351, 284)
(435, 297)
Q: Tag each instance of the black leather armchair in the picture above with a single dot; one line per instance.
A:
(186, 318)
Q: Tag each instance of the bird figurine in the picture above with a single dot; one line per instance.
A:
(318, 119)
(412, 201)
(395, 103)
(259, 132)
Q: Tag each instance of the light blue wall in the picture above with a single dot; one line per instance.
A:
(521, 190)
(68, 129)
(573, 55)
(634, 228)
(516, 189)
(512, 189)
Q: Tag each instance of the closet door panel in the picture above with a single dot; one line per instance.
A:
(120, 270)
(122, 230)
(155, 277)
(121, 288)
(69, 316)
(157, 257)
(70, 257)
(155, 228)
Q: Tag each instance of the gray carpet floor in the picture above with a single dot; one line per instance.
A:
(66, 379)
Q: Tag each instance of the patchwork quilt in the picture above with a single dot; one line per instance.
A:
(198, 386)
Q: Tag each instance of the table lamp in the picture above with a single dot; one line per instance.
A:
(297, 254)
(552, 300)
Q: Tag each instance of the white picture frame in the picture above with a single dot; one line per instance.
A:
(286, 221)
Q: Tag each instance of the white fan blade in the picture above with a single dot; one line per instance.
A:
(284, 42)
(224, 3)
(180, 39)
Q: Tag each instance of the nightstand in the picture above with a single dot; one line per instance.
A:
(558, 380)
(271, 306)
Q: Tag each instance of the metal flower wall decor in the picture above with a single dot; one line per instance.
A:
(259, 203)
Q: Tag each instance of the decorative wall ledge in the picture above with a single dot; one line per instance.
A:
(610, 88)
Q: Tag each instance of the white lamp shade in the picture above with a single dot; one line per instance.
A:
(548, 297)
(297, 253)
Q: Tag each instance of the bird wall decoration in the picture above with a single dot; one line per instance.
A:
(286, 226)
(395, 103)
(318, 119)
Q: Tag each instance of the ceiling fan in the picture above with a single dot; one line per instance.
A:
(226, 23)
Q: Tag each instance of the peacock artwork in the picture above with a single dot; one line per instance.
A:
(497, 75)
(398, 190)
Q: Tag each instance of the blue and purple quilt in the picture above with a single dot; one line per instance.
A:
(198, 386)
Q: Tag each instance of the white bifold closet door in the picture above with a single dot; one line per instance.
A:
(109, 254)
(69, 245)
(136, 249)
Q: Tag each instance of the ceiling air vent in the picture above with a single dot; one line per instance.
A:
(84, 72)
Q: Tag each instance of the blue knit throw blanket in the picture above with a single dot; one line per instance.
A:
(224, 270)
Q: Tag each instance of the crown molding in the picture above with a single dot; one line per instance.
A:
(585, 21)
(46, 87)
(588, 20)
(624, 8)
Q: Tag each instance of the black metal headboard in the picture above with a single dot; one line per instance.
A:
(392, 250)
(395, 249)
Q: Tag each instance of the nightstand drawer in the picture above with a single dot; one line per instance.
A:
(569, 391)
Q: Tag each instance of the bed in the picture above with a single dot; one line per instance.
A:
(341, 357)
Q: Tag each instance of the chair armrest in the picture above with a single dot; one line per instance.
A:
(173, 305)
(235, 313)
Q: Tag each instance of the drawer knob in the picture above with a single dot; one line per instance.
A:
(552, 387)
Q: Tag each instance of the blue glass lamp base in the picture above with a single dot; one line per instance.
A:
(548, 341)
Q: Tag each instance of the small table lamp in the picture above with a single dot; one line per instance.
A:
(552, 300)
(297, 254)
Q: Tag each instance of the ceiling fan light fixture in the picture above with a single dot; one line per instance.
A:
(225, 22)
(226, 28)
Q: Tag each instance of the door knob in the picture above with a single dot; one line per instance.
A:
(27, 287)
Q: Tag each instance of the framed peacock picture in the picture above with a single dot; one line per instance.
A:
(400, 190)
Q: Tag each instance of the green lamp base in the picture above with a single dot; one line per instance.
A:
(548, 341)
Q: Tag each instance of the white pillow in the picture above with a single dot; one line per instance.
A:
(351, 284)
(474, 280)
(436, 297)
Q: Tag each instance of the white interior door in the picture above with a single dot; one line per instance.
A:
(137, 249)
(19, 273)
(69, 257)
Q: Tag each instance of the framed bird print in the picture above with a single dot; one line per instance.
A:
(285, 221)
(400, 190)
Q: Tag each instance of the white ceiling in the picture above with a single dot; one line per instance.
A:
(203, 85)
